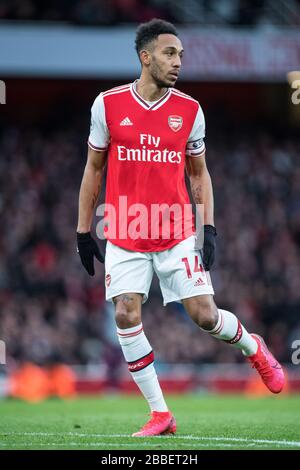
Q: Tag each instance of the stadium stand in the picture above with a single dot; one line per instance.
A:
(49, 311)
(250, 13)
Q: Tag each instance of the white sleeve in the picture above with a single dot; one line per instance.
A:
(195, 145)
(99, 133)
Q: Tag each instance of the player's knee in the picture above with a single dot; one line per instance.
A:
(204, 312)
(207, 320)
(127, 319)
(127, 311)
(207, 316)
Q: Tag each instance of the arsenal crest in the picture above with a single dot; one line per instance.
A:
(175, 123)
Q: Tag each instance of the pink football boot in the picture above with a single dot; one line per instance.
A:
(266, 365)
(160, 423)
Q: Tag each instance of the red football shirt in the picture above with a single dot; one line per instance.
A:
(147, 207)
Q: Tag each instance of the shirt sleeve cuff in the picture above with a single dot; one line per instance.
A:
(95, 147)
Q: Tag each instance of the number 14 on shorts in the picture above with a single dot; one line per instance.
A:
(198, 268)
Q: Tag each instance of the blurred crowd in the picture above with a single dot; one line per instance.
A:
(52, 311)
(86, 12)
(115, 12)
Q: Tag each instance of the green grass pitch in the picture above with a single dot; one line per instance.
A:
(204, 422)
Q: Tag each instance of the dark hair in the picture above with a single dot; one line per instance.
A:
(149, 31)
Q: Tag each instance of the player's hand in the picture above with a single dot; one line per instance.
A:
(87, 249)
(209, 246)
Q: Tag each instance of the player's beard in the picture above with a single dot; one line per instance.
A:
(157, 76)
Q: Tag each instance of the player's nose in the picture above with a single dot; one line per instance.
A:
(177, 62)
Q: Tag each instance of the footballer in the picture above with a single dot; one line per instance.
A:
(149, 134)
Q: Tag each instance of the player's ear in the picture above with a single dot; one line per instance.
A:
(145, 57)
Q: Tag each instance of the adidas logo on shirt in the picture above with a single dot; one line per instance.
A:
(126, 122)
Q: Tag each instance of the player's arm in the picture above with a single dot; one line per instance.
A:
(88, 196)
(91, 185)
(202, 193)
(201, 186)
(90, 188)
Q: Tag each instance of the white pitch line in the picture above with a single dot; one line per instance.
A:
(182, 437)
(107, 445)
(112, 444)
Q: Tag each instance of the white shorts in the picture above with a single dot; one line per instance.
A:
(180, 272)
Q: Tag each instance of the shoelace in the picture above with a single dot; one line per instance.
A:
(264, 367)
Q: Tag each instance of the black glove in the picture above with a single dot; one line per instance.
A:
(87, 249)
(209, 246)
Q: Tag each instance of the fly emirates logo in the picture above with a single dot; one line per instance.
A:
(148, 154)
